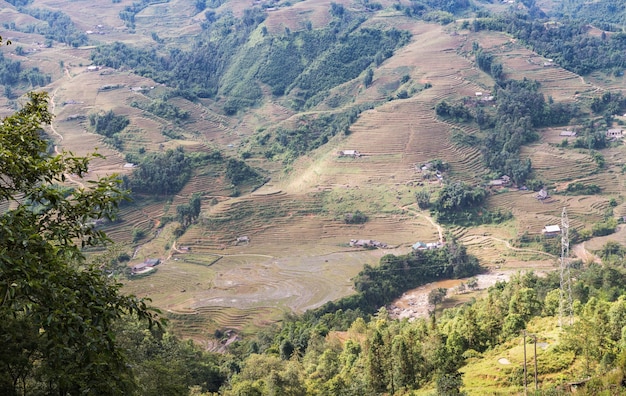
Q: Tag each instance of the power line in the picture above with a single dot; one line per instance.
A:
(565, 301)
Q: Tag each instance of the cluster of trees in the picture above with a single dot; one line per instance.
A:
(163, 109)
(487, 63)
(357, 217)
(456, 111)
(312, 132)
(609, 105)
(238, 172)
(162, 173)
(58, 27)
(341, 58)
(377, 286)
(303, 64)
(57, 312)
(12, 74)
(108, 124)
(567, 41)
(187, 214)
(458, 202)
(379, 355)
(607, 15)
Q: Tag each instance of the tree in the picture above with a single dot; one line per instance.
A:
(57, 312)
(369, 77)
(423, 199)
(436, 296)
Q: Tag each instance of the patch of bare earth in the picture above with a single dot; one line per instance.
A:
(414, 303)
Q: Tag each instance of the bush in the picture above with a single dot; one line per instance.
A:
(108, 124)
(357, 217)
(604, 228)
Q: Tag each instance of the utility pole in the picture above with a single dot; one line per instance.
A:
(525, 373)
(565, 300)
(536, 386)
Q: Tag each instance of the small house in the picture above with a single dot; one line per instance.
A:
(614, 133)
(367, 243)
(419, 246)
(551, 231)
(542, 194)
(145, 267)
(138, 268)
(152, 262)
(501, 182)
(426, 246)
(567, 134)
(242, 239)
(349, 153)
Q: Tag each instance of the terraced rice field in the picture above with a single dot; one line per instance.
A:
(556, 164)
(298, 255)
(246, 287)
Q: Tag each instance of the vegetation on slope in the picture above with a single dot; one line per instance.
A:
(381, 355)
(225, 60)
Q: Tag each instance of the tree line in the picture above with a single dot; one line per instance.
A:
(303, 65)
(567, 41)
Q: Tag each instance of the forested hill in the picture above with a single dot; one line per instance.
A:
(232, 58)
(291, 179)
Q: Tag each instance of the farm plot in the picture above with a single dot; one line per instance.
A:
(552, 164)
(241, 290)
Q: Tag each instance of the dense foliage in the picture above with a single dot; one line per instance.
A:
(12, 74)
(301, 64)
(312, 132)
(519, 108)
(58, 26)
(377, 286)
(108, 124)
(162, 108)
(56, 313)
(567, 42)
(239, 172)
(388, 356)
(162, 173)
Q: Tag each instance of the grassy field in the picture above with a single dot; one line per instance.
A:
(298, 256)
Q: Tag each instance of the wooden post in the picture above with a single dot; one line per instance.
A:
(536, 386)
(525, 376)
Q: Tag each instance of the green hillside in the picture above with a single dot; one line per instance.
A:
(284, 158)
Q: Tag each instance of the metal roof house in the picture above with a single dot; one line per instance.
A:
(551, 230)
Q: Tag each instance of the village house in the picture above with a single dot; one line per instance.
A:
(614, 133)
(501, 182)
(145, 267)
(349, 153)
(367, 243)
(542, 195)
(551, 231)
(567, 134)
(427, 246)
(242, 239)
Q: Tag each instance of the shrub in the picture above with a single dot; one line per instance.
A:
(357, 217)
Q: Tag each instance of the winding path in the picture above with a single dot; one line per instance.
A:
(56, 148)
(478, 238)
